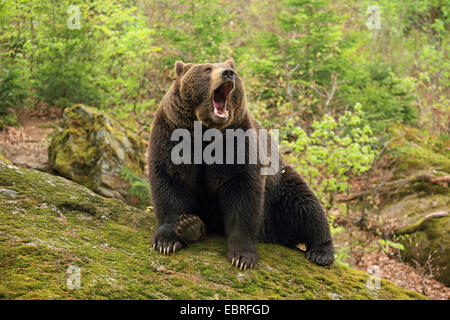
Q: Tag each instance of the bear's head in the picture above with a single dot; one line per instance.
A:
(212, 93)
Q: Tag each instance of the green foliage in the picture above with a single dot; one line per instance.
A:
(413, 43)
(334, 151)
(139, 187)
(13, 90)
(388, 245)
(101, 62)
(386, 98)
(297, 57)
(304, 64)
(12, 94)
(9, 120)
(203, 31)
(302, 47)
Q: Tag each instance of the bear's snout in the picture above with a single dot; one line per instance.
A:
(227, 74)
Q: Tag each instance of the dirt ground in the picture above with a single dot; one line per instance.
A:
(404, 275)
(26, 146)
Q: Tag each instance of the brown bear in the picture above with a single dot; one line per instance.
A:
(235, 199)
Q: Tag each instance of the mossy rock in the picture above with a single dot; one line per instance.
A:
(423, 234)
(416, 149)
(49, 224)
(92, 149)
(429, 239)
(412, 208)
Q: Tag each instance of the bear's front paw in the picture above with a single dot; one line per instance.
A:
(166, 242)
(323, 256)
(242, 258)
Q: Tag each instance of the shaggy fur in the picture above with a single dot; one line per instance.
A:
(234, 200)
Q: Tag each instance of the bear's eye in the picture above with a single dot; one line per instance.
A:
(208, 70)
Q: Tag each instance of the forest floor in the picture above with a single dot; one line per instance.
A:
(26, 147)
(368, 252)
(404, 275)
(390, 264)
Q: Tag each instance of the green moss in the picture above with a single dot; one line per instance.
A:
(417, 150)
(54, 223)
(2, 158)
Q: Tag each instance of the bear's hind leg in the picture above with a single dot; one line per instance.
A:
(294, 215)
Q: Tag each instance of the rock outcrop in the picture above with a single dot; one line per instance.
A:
(420, 211)
(419, 199)
(92, 149)
(60, 240)
(428, 243)
(425, 231)
(423, 222)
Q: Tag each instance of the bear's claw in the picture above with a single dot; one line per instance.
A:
(165, 246)
(243, 260)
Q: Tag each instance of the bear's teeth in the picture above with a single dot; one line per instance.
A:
(221, 115)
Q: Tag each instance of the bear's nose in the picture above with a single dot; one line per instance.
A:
(227, 74)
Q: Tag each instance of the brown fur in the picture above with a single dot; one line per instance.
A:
(235, 200)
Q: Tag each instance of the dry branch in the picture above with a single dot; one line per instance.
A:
(400, 184)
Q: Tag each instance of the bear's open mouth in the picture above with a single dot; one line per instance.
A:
(220, 99)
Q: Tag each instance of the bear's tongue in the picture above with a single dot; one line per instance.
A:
(220, 100)
(219, 105)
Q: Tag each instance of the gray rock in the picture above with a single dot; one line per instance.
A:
(9, 193)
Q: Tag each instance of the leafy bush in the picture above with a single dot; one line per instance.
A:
(333, 152)
(386, 98)
(65, 84)
(297, 57)
(12, 94)
(100, 62)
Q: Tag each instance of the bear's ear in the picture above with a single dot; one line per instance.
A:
(179, 68)
(230, 62)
